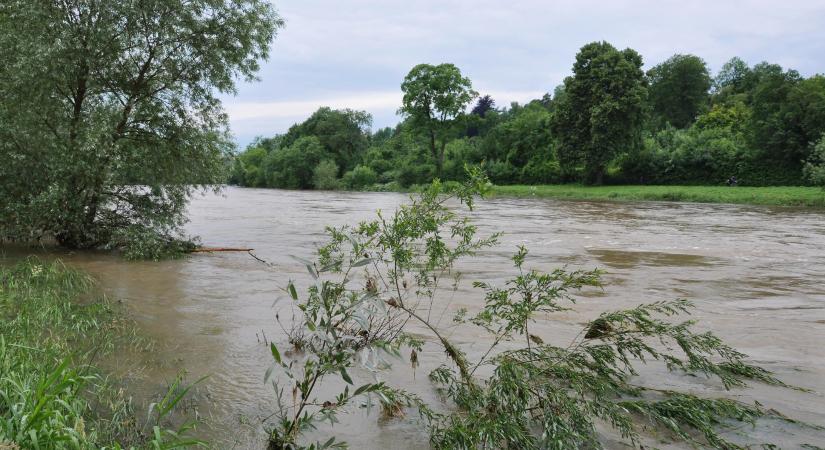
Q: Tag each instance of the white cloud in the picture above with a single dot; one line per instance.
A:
(355, 53)
(241, 111)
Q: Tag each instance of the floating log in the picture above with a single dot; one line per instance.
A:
(220, 249)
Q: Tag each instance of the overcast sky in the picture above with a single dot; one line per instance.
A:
(354, 53)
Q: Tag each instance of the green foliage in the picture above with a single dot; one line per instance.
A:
(328, 138)
(603, 125)
(733, 117)
(788, 114)
(522, 138)
(248, 168)
(374, 280)
(678, 90)
(141, 243)
(359, 178)
(109, 119)
(733, 76)
(342, 133)
(602, 110)
(325, 175)
(293, 167)
(458, 154)
(51, 395)
(815, 167)
(434, 97)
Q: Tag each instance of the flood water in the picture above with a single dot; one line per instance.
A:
(756, 274)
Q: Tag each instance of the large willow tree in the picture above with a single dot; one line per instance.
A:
(109, 116)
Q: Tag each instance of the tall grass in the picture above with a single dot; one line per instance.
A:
(53, 328)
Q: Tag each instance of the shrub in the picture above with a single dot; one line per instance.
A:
(815, 167)
(137, 242)
(325, 175)
(501, 172)
(360, 177)
(376, 286)
(541, 171)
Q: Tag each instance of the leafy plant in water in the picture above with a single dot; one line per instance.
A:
(137, 242)
(51, 395)
(375, 281)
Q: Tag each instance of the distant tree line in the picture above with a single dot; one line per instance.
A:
(610, 122)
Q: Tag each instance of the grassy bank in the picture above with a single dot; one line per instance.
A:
(782, 196)
(53, 328)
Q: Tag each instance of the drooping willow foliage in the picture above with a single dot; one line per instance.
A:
(376, 280)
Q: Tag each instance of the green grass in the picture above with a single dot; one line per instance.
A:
(780, 195)
(53, 327)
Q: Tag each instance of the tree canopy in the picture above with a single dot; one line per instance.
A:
(110, 116)
(434, 96)
(601, 113)
(343, 133)
(679, 90)
(609, 120)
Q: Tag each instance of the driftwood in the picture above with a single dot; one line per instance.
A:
(229, 249)
(220, 249)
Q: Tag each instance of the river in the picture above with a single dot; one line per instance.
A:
(756, 274)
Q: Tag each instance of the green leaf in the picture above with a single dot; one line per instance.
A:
(345, 375)
(362, 389)
(363, 262)
(275, 353)
(292, 292)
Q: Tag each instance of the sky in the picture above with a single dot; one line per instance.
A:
(355, 53)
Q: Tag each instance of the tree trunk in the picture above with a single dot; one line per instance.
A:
(439, 158)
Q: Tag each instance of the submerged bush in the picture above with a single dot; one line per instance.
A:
(141, 243)
(374, 279)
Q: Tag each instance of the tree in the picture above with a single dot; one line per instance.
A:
(775, 129)
(434, 97)
(344, 133)
(483, 105)
(249, 167)
(523, 136)
(325, 175)
(678, 90)
(732, 76)
(110, 116)
(601, 111)
(294, 167)
(802, 118)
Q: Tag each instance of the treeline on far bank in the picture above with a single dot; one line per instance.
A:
(610, 122)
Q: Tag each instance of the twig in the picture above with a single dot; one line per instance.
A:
(219, 249)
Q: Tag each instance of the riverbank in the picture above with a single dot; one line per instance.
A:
(54, 328)
(777, 196)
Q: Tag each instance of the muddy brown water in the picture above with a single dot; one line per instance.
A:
(756, 274)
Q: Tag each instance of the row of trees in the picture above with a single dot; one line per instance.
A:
(609, 122)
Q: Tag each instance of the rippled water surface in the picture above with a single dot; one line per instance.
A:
(756, 274)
